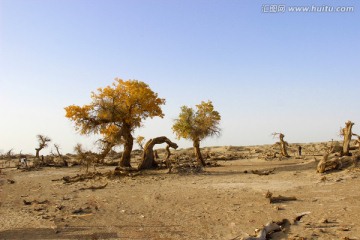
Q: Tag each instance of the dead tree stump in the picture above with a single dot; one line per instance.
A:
(346, 132)
(283, 144)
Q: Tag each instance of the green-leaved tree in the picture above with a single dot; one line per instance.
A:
(195, 125)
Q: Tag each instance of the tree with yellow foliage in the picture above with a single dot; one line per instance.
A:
(115, 111)
(197, 125)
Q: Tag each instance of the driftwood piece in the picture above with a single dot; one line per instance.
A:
(186, 169)
(94, 187)
(82, 211)
(263, 172)
(82, 177)
(299, 216)
(335, 162)
(268, 229)
(26, 202)
(279, 198)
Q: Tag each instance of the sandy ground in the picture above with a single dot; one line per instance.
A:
(220, 203)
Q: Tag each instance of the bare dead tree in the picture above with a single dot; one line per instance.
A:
(347, 134)
(283, 144)
(148, 155)
(88, 158)
(9, 154)
(85, 157)
(57, 148)
(43, 143)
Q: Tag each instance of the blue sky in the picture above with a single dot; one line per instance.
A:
(297, 73)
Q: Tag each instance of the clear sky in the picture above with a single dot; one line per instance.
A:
(294, 72)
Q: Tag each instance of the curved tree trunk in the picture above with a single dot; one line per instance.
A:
(128, 145)
(148, 154)
(347, 133)
(197, 151)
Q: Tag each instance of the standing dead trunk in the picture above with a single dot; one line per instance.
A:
(197, 151)
(347, 133)
(57, 147)
(37, 152)
(43, 143)
(283, 145)
(168, 154)
(148, 160)
(128, 145)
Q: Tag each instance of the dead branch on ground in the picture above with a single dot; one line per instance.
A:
(28, 202)
(268, 229)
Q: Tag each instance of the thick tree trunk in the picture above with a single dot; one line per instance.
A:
(283, 146)
(148, 160)
(128, 145)
(347, 133)
(197, 151)
(37, 155)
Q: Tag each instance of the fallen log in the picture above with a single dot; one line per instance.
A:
(94, 187)
(26, 202)
(263, 172)
(279, 198)
(333, 162)
(79, 178)
(81, 211)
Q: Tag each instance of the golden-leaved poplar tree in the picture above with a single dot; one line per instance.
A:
(197, 125)
(115, 111)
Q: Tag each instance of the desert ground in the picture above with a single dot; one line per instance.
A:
(225, 200)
